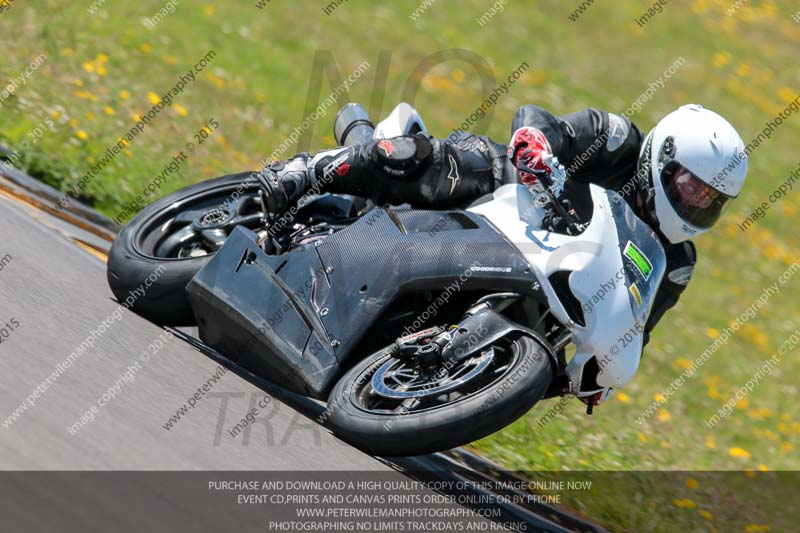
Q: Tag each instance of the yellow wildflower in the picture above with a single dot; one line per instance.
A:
(743, 70)
(742, 403)
(684, 503)
(787, 94)
(759, 413)
(739, 452)
(86, 95)
(720, 59)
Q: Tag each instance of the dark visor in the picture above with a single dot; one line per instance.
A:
(696, 202)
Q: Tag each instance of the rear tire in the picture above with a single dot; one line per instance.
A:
(468, 419)
(130, 267)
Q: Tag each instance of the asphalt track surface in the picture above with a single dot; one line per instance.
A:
(58, 294)
(54, 295)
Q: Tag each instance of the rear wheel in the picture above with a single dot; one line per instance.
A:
(169, 241)
(391, 406)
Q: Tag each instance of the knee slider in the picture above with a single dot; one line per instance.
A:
(401, 157)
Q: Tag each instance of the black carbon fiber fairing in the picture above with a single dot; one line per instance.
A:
(295, 318)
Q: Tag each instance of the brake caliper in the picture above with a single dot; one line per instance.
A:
(423, 347)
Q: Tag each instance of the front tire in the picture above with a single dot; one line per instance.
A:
(389, 430)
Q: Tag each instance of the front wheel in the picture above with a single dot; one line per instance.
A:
(391, 407)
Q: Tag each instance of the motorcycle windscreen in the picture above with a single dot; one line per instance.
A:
(643, 258)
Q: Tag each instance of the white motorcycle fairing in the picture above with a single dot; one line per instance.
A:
(599, 284)
(615, 245)
(403, 120)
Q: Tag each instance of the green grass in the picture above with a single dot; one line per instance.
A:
(744, 67)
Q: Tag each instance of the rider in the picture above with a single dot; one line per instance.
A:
(678, 178)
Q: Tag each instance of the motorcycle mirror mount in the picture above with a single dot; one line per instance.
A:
(574, 226)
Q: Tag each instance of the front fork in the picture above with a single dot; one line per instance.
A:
(482, 325)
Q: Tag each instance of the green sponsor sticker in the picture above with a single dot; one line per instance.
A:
(639, 259)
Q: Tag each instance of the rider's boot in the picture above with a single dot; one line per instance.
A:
(284, 182)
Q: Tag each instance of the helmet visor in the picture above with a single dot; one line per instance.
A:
(695, 201)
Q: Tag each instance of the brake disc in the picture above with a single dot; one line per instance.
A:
(417, 389)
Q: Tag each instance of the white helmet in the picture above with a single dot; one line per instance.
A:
(695, 161)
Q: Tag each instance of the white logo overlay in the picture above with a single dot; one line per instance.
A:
(453, 175)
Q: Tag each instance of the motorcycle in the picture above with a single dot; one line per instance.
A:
(422, 329)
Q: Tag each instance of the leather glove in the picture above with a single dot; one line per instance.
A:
(529, 146)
